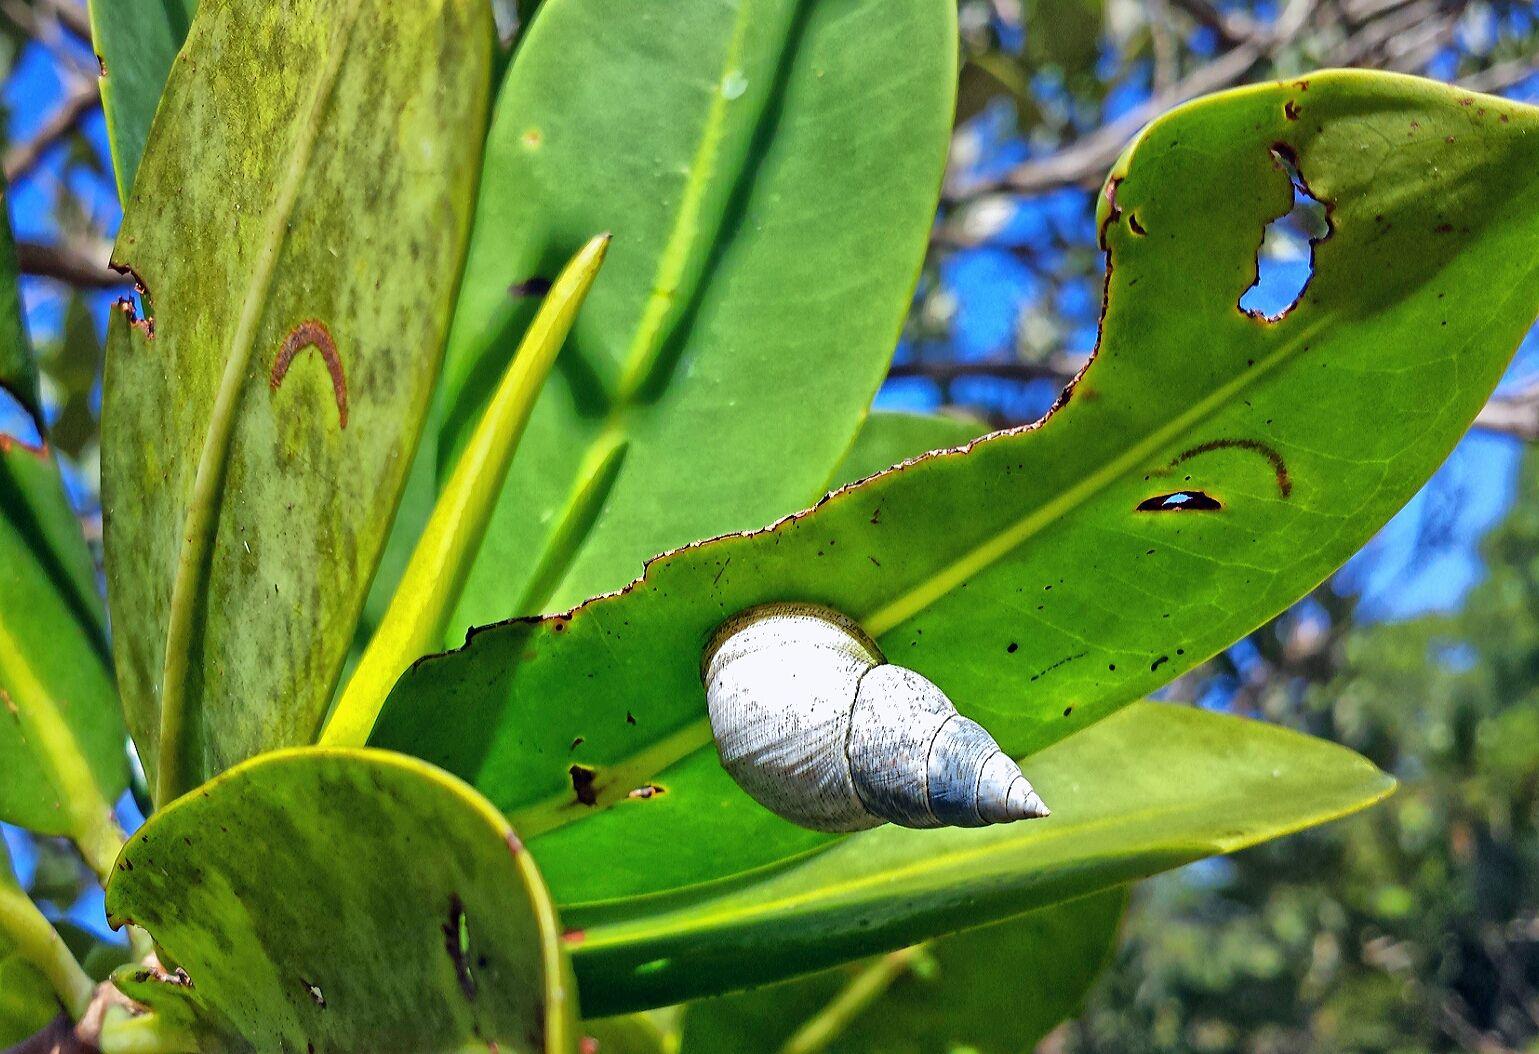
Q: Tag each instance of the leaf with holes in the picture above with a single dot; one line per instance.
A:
(258, 430)
(343, 901)
(769, 224)
(1051, 574)
(949, 995)
(61, 730)
(136, 42)
(1149, 789)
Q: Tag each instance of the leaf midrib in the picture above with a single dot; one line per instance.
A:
(172, 775)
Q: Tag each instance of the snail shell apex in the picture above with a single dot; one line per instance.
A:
(813, 722)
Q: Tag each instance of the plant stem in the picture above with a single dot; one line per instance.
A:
(91, 825)
(39, 944)
(825, 1026)
(125, 1033)
(414, 623)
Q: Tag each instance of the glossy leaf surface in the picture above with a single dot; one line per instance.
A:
(769, 170)
(1050, 575)
(1149, 789)
(257, 434)
(995, 990)
(344, 901)
(136, 42)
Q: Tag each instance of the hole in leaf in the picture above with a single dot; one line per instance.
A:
(582, 784)
(1285, 263)
(314, 992)
(1181, 501)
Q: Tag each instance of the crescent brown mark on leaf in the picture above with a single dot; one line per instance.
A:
(312, 333)
(1256, 446)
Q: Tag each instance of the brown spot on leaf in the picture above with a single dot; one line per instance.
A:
(1255, 446)
(1291, 110)
(312, 333)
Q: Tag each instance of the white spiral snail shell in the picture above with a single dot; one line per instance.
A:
(818, 727)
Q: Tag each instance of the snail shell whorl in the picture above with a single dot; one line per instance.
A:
(817, 726)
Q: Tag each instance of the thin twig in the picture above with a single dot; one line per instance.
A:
(69, 264)
(82, 99)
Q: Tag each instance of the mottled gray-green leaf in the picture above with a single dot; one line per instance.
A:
(299, 223)
(344, 901)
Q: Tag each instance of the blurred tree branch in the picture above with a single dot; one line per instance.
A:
(78, 104)
(75, 265)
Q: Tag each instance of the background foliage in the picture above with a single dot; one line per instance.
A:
(1412, 928)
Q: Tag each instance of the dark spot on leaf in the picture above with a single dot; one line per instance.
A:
(1291, 110)
(1180, 501)
(1135, 226)
(1011, 647)
(630, 718)
(576, 743)
(582, 784)
(1157, 663)
(535, 286)
(457, 944)
(1067, 711)
(1061, 662)
(312, 333)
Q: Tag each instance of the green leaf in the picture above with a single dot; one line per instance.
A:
(343, 901)
(18, 369)
(770, 170)
(136, 42)
(995, 990)
(300, 275)
(1152, 788)
(27, 1004)
(61, 731)
(436, 573)
(632, 1034)
(1022, 575)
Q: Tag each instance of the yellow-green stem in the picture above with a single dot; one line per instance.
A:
(37, 942)
(825, 1026)
(126, 1033)
(91, 825)
(414, 623)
